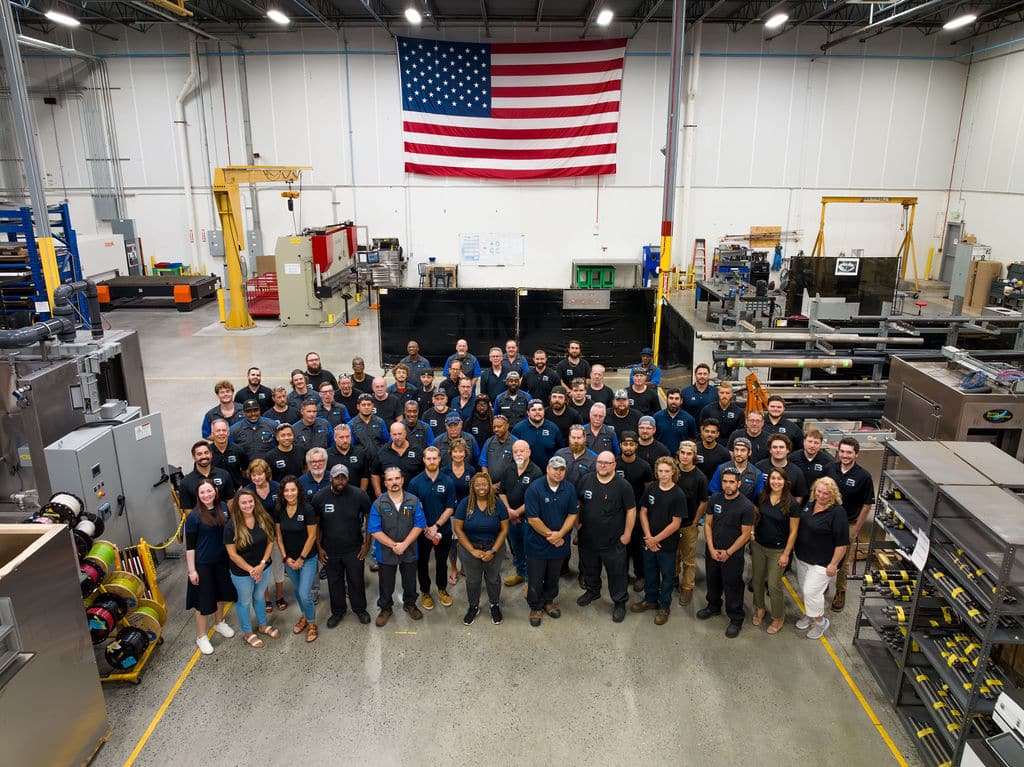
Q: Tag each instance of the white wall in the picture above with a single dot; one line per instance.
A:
(779, 125)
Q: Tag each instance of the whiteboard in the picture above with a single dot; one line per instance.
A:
(492, 249)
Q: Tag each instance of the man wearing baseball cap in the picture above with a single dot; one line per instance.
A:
(647, 446)
(751, 478)
(551, 512)
(643, 396)
(343, 543)
(622, 417)
(453, 430)
(254, 433)
(648, 366)
(512, 402)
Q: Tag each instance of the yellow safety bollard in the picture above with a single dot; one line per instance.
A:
(220, 305)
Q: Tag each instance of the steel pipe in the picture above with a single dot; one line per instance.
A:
(832, 338)
(780, 354)
(788, 362)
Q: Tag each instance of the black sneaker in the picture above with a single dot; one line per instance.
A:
(586, 598)
(334, 620)
(733, 630)
(619, 613)
(364, 617)
(704, 613)
(323, 573)
(496, 614)
(470, 616)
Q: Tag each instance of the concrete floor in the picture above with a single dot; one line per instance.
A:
(580, 690)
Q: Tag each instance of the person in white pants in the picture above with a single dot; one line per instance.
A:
(821, 543)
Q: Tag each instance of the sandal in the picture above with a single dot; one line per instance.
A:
(282, 605)
(269, 631)
(300, 626)
(311, 632)
(253, 641)
(758, 617)
(775, 627)
(453, 578)
(270, 607)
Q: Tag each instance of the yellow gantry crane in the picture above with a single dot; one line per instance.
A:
(906, 250)
(229, 208)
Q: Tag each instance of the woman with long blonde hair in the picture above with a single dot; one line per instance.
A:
(822, 539)
(249, 538)
(481, 525)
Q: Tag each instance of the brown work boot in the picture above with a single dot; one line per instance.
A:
(383, 617)
(685, 596)
(535, 616)
(414, 611)
(642, 607)
(445, 597)
(839, 602)
(514, 580)
(427, 600)
(661, 617)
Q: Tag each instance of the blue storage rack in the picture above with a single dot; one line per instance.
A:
(26, 298)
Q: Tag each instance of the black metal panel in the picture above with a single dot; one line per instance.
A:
(875, 282)
(437, 318)
(675, 348)
(612, 337)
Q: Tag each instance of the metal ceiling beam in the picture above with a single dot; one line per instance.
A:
(647, 9)
(483, 14)
(760, 16)
(314, 15)
(589, 17)
(1001, 13)
(882, 23)
(93, 12)
(820, 15)
(432, 14)
(540, 12)
(376, 9)
(709, 11)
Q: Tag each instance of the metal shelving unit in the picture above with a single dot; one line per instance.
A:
(22, 284)
(933, 655)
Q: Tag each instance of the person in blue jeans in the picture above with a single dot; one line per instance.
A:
(249, 539)
(514, 481)
(296, 538)
(662, 509)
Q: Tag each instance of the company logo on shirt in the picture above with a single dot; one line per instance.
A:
(328, 508)
(717, 509)
(412, 453)
(700, 458)
(526, 480)
(850, 482)
(817, 467)
(279, 464)
(545, 432)
(232, 459)
(650, 500)
(441, 489)
(218, 481)
(589, 495)
(300, 518)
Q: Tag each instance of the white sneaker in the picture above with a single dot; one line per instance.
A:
(818, 629)
(224, 630)
(204, 645)
(804, 623)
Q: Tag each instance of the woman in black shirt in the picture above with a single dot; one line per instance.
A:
(209, 584)
(774, 537)
(249, 539)
(268, 491)
(821, 544)
(296, 538)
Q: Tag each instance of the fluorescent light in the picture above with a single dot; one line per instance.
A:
(62, 18)
(604, 18)
(960, 21)
(413, 16)
(776, 21)
(278, 17)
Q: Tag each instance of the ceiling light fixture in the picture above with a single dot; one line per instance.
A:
(413, 16)
(62, 18)
(278, 17)
(604, 18)
(776, 21)
(960, 21)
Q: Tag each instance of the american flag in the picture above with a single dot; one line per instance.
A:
(509, 110)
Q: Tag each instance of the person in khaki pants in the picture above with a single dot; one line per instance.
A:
(694, 484)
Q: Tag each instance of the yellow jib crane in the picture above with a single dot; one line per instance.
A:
(229, 208)
(906, 250)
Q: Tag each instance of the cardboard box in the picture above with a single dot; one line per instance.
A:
(265, 264)
(984, 273)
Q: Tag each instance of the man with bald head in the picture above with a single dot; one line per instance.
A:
(398, 453)
(513, 484)
(385, 406)
(607, 517)
(470, 364)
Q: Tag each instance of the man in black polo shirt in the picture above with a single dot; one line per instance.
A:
(607, 517)
(280, 411)
(343, 543)
(573, 365)
(513, 484)
(858, 491)
(776, 423)
(385, 405)
(286, 459)
(754, 431)
(435, 415)
(622, 417)
(710, 452)
(316, 375)
(348, 395)
(694, 485)
(311, 430)
(352, 457)
(227, 455)
(368, 430)
(203, 468)
(728, 414)
(450, 385)
(540, 379)
(728, 527)
(397, 453)
(254, 389)
(638, 473)
(512, 403)
(492, 379)
(559, 413)
(479, 422)
(811, 459)
(643, 398)
(361, 382)
(425, 392)
(331, 411)
(578, 399)
(778, 458)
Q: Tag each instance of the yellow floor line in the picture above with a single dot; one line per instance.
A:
(167, 701)
(897, 755)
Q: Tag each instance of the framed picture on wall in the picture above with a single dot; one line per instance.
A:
(847, 267)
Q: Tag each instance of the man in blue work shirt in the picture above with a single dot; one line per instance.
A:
(470, 364)
(512, 403)
(674, 425)
(311, 430)
(551, 512)
(254, 434)
(700, 393)
(496, 452)
(647, 365)
(368, 430)
(435, 490)
(751, 478)
(542, 435)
